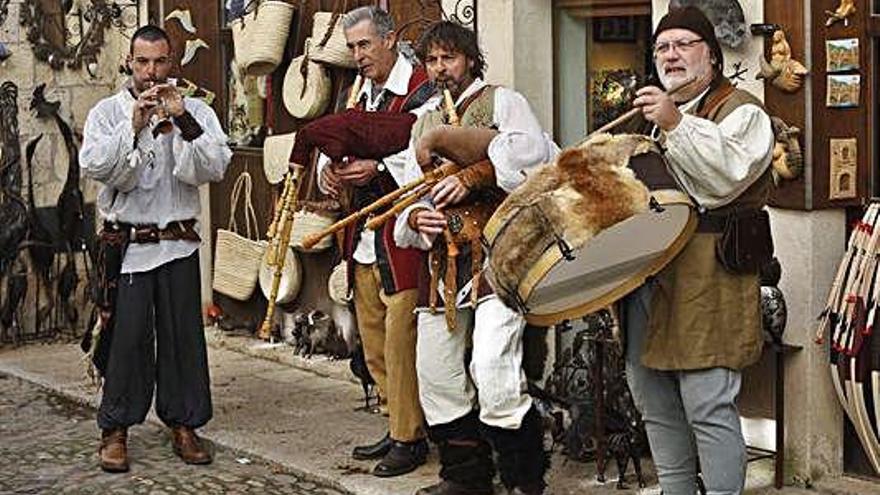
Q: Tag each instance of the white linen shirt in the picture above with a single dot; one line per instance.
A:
(521, 144)
(397, 84)
(716, 162)
(155, 182)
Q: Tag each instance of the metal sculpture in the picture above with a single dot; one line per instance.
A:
(13, 212)
(40, 243)
(70, 209)
(590, 383)
(47, 32)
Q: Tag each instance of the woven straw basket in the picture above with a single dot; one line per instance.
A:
(259, 37)
(308, 222)
(276, 155)
(291, 277)
(310, 102)
(330, 48)
(237, 258)
(337, 284)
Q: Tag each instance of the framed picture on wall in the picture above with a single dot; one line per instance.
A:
(614, 29)
(843, 91)
(842, 55)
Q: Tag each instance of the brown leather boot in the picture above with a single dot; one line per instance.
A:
(188, 446)
(113, 451)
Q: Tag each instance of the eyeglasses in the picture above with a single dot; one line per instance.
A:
(681, 46)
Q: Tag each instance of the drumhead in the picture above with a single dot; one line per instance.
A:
(610, 265)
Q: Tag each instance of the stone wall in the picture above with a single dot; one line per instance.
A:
(77, 92)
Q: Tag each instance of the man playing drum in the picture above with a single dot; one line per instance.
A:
(693, 327)
(499, 124)
(384, 275)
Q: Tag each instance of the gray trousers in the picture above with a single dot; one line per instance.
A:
(158, 341)
(687, 414)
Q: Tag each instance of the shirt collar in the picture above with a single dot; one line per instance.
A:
(398, 79)
(475, 86)
(690, 105)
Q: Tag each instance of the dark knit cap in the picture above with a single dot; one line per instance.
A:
(692, 19)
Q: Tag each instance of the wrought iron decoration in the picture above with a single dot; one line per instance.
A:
(48, 34)
(464, 13)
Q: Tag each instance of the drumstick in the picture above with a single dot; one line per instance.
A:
(633, 112)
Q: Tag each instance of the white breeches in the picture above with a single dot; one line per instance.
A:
(447, 390)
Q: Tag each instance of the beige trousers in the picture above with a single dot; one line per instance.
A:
(387, 324)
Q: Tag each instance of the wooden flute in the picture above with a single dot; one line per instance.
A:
(416, 186)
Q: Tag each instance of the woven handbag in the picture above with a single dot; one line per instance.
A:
(291, 277)
(307, 87)
(259, 37)
(337, 284)
(308, 222)
(237, 258)
(276, 155)
(329, 37)
(312, 217)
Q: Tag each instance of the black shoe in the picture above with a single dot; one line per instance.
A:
(448, 487)
(374, 450)
(404, 457)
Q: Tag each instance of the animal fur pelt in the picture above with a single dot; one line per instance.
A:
(726, 15)
(588, 189)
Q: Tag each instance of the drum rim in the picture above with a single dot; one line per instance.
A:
(552, 256)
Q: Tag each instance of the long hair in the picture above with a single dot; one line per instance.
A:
(455, 38)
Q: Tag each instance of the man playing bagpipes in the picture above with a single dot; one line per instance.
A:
(356, 146)
(497, 126)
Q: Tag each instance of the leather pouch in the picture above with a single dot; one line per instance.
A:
(746, 243)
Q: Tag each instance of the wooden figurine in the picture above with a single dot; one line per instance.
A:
(842, 13)
(788, 159)
(782, 71)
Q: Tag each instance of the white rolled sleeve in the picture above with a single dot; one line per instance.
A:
(715, 163)
(520, 144)
(108, 154)
(205, 158)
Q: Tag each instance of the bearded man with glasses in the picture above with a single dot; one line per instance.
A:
(693, 327)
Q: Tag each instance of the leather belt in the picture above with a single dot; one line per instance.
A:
(151, 233)
(711, 224)
(715, 224)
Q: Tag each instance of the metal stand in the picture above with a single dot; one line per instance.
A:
(778, 455)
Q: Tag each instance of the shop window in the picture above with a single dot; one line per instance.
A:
(602, 60)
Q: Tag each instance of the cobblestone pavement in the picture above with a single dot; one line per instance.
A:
(48, 445)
